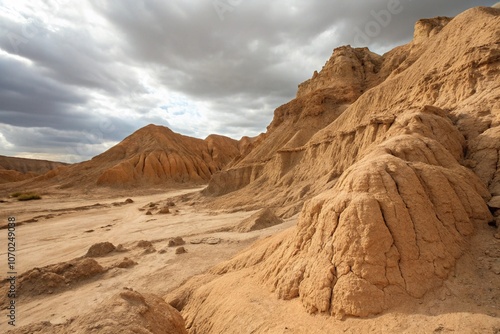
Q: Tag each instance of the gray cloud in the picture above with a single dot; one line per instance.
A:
(78, 77)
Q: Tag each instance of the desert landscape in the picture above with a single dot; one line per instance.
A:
(370, 205)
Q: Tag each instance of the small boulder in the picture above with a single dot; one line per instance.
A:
(177, 241)
(129, 201)
(144, 244)
(164, 210)
(126, 263)
(149, 250)
(494, 203)
(180, 250)
(100, 249)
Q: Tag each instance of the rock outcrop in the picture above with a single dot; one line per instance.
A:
(151, 156)
(262, 219)
(126, 312)
(397, 180)
(19, 169)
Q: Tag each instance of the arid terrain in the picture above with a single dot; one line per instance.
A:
(370, 205)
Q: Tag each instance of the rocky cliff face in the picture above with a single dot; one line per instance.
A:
(398, 164)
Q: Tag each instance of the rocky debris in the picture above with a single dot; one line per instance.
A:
(163, 251)
(170, 203)
(54, 278)
(180, 250)
(164, 210)
(494, 203)
(144, 244)
(126, 312)
(149, 250)
(120, 248)
(126, 263)
(260, 220)
(177, 241)
(100, 249)
(129, 201)
(149, 213)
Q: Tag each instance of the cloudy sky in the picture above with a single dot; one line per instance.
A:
(76, 77)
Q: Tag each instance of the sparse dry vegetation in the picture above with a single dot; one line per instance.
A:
(25, 196)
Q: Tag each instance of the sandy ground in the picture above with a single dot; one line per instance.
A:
(61, 228)
(65, 228)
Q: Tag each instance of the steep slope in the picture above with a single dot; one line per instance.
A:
(152, 155)
(396, 205)
(17, 169)
(319, 101)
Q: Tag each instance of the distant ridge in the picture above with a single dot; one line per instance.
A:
(13, 169)
(152, 155)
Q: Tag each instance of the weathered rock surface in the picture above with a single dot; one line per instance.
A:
(100, 249)
(126, 312)
(19, 169)
(262, 219)
(151, 156)
(52, 278)
(392, 205)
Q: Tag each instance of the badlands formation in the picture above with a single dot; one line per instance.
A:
(19, 169)
(374, 196)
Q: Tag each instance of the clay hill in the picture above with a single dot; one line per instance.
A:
(18, 169)
(152, 155)
(391, 161)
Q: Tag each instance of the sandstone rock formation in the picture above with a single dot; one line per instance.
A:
(20, 169)
(262, 219)
(398, 168)
(100, 249)
(52, 278)
(153, 155)
(126, 312)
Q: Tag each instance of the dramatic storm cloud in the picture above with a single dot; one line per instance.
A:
(79, 76)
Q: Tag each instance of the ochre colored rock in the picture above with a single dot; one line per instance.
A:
(262, 219)
(126, 312)
(389, 207)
